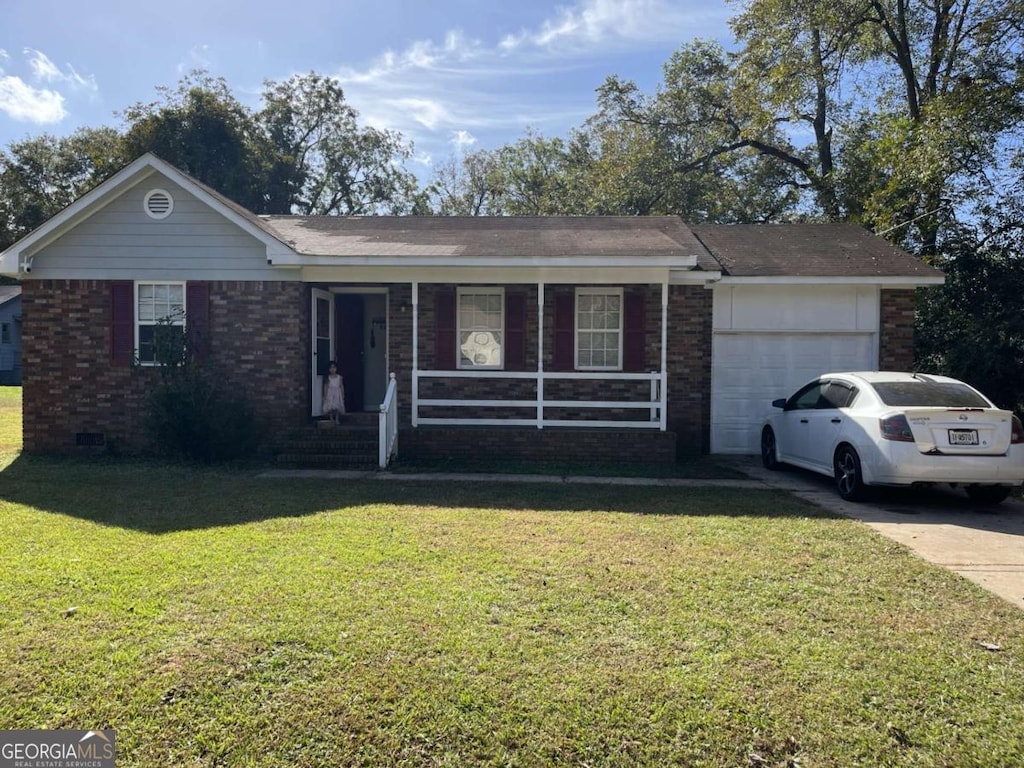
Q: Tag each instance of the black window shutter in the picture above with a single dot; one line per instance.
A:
(515, 332)
(122, 322)
(197, 318)
(444, 329)
(564, 345)
(634, 322)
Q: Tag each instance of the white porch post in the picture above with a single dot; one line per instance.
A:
(540, 355)
(664, 356)
(415, 354)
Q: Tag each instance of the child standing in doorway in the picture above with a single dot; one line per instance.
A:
(334, 394)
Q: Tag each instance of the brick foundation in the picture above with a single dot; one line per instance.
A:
(526, 444)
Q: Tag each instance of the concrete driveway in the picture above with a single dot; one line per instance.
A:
(983, 544)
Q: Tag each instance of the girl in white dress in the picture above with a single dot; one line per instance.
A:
(334, 394)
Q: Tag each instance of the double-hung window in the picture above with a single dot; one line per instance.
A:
(481, 327)
(599, 329)
(158, 305)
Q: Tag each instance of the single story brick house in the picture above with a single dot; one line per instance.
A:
(586, 337)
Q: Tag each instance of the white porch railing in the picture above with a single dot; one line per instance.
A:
(388, 425)
(654, 405)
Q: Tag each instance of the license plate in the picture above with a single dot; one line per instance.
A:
(963, 437)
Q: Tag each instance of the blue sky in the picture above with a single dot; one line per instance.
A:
(451, 75)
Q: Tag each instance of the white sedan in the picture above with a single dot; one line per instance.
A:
(884, 428)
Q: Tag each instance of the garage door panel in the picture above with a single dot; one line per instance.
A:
(750, 370)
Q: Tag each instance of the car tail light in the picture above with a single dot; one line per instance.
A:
(896, 428)
(1016, 430)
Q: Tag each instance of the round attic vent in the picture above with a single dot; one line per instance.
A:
(158, 203)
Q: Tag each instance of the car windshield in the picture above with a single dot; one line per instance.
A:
(929, 394)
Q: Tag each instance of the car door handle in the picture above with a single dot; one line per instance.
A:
(803, 421)
(837, 421)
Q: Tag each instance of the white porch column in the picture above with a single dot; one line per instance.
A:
(664, 356)
(540, 355)
(415, 354)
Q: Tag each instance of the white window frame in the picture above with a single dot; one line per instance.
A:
(461, 291)
(139, 322)
(596, 291)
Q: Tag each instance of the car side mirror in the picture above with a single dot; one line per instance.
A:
(780, 403)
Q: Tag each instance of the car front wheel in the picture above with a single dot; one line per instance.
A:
(987, 494)
(848, 475)
(769, 452)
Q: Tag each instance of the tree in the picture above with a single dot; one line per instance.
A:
(947, 93)
(326, 164)
(201, 128)
(41, 176)
(534, 177)
(889, 112)
(972, 327)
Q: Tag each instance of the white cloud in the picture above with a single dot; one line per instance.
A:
(44, 70)
(594, 22)
(20, 101)
(41, 99)
(196, 58)
(462, 140)
(459, 91)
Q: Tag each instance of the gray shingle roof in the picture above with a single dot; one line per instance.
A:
(509, 236)
(807, 250)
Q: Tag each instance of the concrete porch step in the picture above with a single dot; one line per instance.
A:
(326, 461)
(352, 444)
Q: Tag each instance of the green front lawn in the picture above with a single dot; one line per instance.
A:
(224, 619)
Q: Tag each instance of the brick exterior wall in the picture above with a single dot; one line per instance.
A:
(259, 346)
(896, 330)
(689, 366)
(527, 444)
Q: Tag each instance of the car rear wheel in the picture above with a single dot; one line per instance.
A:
(987, 494)
(848, 475)
(769, 452)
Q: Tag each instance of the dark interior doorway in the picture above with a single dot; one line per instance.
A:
(349, 317)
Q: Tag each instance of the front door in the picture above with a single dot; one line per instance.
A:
(322, 312)
(350, 349)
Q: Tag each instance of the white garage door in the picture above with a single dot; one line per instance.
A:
(769, 341)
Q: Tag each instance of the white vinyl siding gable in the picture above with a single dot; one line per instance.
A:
(122, 242)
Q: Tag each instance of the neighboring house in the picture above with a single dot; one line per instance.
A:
(10, 335)
(584, 337)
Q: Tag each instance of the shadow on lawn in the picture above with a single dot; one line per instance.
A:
(158, 498)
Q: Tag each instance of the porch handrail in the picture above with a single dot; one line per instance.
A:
(387, 422)
(654, 404)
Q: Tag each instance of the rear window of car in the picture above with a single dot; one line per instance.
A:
(929, 394)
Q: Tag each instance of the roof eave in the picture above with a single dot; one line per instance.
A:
(292, 259)
(885, 281)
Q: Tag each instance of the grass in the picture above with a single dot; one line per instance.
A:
(227, 620)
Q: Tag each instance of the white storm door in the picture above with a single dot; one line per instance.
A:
(322, 312)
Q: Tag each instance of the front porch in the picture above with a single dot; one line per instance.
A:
(529, 399)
